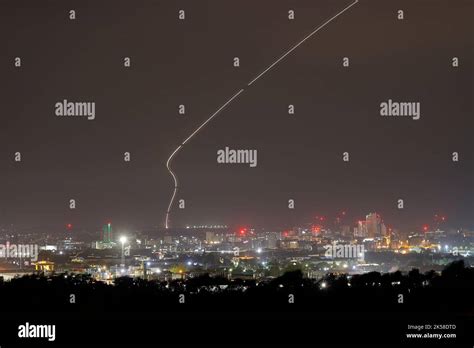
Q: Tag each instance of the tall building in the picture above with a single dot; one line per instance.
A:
(272, 240)
(384, 231)
(361, 229)
(374, 225)
(346, 231)
(107, 236)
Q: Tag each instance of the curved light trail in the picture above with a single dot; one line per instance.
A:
(168, 162)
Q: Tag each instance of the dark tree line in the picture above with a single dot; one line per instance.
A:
(451, 291)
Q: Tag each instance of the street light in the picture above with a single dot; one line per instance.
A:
(123, 240)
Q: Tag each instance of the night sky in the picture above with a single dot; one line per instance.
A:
(190, 62)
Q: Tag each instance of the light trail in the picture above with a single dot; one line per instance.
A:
(300, 42)
(175, 178)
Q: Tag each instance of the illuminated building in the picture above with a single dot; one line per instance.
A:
(106, 241)
(272, 240)
(346, 231)
(373, 223)
(213, 237)
(289, 244)
(210, 236)
(107, 233)
(44, 266)
(384, 231)
(361, 229)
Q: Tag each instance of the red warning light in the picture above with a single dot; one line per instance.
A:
(69, 226)
(425, 228)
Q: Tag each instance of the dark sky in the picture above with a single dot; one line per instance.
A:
(190, 62)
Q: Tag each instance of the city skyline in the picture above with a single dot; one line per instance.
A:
(331, 222)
